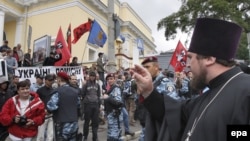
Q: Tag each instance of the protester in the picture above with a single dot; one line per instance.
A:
(63, 104)
(212, 51)
(74, 62)
(5, 46)
(91, 98)
(100, 66)
(11, 64)
(129, 94)
(15, 54)
(50, 60)
(27, 61)
(3, 54)
(13, 84)
(46, 130)
(5, 94)
(23, 114)
(38, 84)
(20, 55)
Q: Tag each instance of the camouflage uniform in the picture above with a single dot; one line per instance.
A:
(184, 90)
(114, 115)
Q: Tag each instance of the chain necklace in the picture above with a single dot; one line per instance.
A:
(197, 119)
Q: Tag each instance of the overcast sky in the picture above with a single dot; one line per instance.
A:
(152, 11)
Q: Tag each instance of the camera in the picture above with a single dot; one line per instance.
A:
(22, 121)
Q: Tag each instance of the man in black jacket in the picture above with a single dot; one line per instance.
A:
(91, 98)
(50, 61)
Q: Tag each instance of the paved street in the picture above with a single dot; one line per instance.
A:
(102, 132)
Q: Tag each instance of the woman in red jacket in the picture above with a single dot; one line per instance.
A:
(23, 114)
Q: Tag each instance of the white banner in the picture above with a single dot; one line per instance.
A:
(31, 72)
(3, 71)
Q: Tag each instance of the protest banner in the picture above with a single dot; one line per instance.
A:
(31, 72)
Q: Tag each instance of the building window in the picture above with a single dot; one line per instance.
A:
(92, 54)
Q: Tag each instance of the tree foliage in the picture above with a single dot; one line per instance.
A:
(237, 11)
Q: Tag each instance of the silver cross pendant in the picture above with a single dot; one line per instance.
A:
(188, 136)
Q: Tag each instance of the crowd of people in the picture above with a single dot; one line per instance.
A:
(170, 106)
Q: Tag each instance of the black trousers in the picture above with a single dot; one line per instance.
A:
(3, 132)
(101, 76)
(91, 112)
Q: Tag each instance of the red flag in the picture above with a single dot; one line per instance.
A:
(69, 40)
(80, 30)
(179, 58)
(62, 50)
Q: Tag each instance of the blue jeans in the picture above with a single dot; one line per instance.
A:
(142, 135)
(125, 119)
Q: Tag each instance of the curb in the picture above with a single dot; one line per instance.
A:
(129, 137)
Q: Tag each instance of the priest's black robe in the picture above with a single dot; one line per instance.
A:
(230, 107)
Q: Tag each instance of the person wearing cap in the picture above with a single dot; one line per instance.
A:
(63, 104)
(113, 104)
(100, 66)
(211, 59)
(23, 113)
(38, 84)
(164, 86)
(46, 129)
(91, 99)
(5, 94)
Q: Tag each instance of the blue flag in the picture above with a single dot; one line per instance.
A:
(97, 35)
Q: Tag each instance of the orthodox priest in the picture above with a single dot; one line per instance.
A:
(211, 59)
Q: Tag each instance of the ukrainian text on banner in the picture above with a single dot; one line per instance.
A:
(30, 72)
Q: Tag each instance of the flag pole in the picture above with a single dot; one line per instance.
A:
(86, 40)
(84, 51)
(168, 66)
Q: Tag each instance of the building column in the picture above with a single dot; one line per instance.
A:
(2, 15)
(19, 29)
(136, 54)
(111, 65)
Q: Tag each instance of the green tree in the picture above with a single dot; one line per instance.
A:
(237, 11)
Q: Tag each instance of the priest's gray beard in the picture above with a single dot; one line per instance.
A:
(199, 82)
